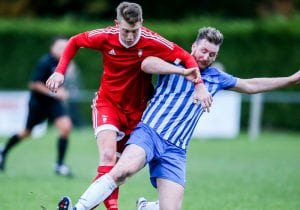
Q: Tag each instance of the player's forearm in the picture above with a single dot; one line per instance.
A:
(39, 87)
(257, 85)
(202, 96)
(185, 57)
(155, 65)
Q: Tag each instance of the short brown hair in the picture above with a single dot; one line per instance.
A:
(130, 12)
(211, 34)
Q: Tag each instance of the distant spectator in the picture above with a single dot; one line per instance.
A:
(43, 105)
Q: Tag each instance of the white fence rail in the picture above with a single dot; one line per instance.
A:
(222, 122)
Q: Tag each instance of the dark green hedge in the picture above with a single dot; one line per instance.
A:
(252, 48)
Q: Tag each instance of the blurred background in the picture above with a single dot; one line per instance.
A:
(156, 9)
(262, 38)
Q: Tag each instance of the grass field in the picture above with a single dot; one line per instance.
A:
(222, 174)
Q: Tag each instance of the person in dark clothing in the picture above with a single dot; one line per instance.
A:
(45, 105)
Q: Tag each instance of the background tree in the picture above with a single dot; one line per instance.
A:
(154, 9)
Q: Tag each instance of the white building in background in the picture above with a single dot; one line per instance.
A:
(223, 120)
(13, 113)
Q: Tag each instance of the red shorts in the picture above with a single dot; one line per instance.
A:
(106, 116)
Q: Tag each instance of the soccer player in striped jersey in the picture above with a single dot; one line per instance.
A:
(125, 88)
(161, 138)
(171, 117)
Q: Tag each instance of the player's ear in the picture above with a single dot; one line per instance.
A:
(194, 45)
(116, 22)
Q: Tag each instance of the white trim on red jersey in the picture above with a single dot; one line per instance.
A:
(156, 37)
(104, 30)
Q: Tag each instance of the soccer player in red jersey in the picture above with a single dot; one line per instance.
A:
(125, 89)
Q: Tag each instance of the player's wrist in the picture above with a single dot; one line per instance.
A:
(199, 81)
(180, 71)
(51, 94)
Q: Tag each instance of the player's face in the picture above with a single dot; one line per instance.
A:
(58, 47)
(129, 34)
(205, 53)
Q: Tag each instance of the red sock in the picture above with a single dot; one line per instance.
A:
(111, 202)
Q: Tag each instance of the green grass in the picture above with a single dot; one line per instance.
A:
(221, 175)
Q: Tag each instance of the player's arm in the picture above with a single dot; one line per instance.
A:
(257, 85)
(74, 43)
(201, 95)
(172, 53)
(40, 87)
(57, 78)
(155, 65)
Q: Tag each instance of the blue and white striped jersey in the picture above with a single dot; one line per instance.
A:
(172, 113)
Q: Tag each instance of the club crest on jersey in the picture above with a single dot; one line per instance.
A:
(104, 118)
(112, 52)
(177, 61)
(140, 53)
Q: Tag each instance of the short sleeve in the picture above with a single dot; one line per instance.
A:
(227, 81)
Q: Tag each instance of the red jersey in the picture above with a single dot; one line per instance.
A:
(123, 82)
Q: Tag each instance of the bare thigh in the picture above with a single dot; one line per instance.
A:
(131, 161)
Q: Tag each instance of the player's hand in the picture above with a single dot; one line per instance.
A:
(295, 78)
(55, 81)
(192, 74)
(203, 97)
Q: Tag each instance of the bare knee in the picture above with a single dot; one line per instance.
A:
(108, 156)
(64, 125)
(107, 147)
(120, 175)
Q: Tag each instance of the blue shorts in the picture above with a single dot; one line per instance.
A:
(165, 160)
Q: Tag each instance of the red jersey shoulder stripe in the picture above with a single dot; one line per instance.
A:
(110, 30)
(158, 38)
